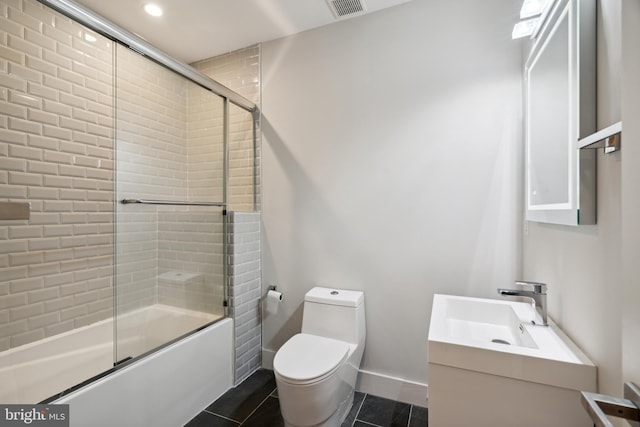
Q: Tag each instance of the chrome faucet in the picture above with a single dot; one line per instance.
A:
(538, 295)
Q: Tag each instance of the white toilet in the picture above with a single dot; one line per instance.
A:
(316, 369)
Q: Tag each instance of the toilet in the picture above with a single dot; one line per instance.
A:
(316, 370)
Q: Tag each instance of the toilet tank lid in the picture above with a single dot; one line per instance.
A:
(334, 296)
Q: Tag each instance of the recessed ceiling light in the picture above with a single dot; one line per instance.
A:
(153, 9)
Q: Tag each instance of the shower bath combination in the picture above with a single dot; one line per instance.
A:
(92, 288)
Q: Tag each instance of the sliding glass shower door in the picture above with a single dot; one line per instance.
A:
(170, 180)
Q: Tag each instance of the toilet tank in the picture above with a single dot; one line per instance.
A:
(334, 313)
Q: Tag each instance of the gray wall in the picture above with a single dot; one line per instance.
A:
(392, 164)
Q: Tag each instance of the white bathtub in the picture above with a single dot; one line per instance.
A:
(165, 388)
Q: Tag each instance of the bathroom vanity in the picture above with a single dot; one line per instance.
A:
(490, 366)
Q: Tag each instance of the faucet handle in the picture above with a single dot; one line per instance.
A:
(539, 288)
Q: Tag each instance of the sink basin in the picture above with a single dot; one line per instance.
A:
(487, 356)
(497, 337)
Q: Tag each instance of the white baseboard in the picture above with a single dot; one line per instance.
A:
(376, 384)
(393, 388)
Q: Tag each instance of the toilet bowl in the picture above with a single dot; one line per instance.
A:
(316, 370)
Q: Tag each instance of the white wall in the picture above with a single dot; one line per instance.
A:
(392, 164)
(630, 193)
(582, 265)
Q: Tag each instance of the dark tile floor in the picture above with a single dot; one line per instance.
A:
(254, 403)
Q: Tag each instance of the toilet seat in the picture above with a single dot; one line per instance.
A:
(306, 359)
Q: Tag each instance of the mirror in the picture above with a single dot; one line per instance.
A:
(560, 109)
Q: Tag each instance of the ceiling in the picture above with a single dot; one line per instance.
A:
(191, 30)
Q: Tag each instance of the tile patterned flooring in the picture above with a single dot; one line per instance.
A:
(254, 403)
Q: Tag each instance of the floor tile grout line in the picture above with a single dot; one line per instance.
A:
(359, 408)
(410, 412)
(256, 408)
(367, 423)
(222, 416)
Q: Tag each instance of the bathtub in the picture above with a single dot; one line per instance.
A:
(164, 388)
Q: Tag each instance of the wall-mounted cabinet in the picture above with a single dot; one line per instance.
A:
(560, 78)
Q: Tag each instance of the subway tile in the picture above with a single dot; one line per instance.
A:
(19, 97)
(73, 312)
(72, 100)
(9, 301)
(43, 244)
(26, 311)
(42, 117)
(24, 73)
(28, 21)
(73, 124)
(13, 137)
(54, 34)
(59, 328)
(23, 152)
(58, 181)
(71, 77)
(26, 258)
(19, 125)
(24, 232)
(57, 83)
(56, 132)
(24, 285)
(27, 337)
(57, 304)
(43, 218)
(16, 42)
(42, 168)
(73, 147)
(37, 64)
(13, 191)
(43, 320)
(57, 230)
(71, 194)
(11, 164)
(57, 59)
(70, 52)
(20, 178)
(58, 279)
(42, 91)
(67, 25)
(57, 157)
(10, 27)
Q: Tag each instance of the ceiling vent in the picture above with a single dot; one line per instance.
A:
(345, 8)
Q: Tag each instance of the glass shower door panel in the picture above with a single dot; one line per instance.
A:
(56, 142)
(169, 142)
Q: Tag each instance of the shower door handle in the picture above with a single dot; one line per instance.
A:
(170, 203)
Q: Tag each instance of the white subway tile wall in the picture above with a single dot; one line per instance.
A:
(240, 71)
(56, 151)
(244, 279)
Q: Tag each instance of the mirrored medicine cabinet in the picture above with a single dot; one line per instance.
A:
(560, 83)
